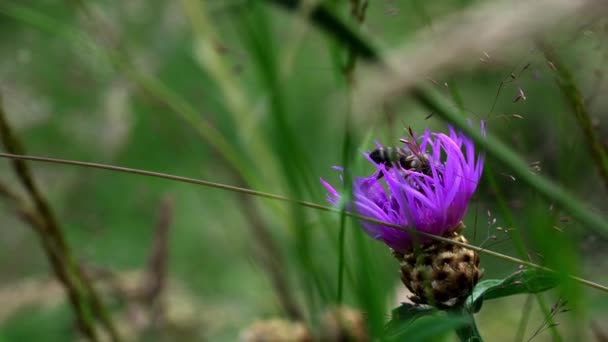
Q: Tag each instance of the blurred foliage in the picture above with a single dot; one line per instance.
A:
(71, 82)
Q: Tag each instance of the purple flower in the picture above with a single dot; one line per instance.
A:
(434, 202)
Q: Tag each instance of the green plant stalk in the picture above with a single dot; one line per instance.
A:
(469, 331)
(497, 149)
(346, 159)
(348, 70)
(525, 317)
(271, 258)
(255, 30)
(336, 55)
(574, 99)
(154, 87)
(439, 105)
(216, 139)
(191, 116)
(514, 234)
(330, 23)
(254, 27)
(209, 59)
(241, 164)
(432, 100)
(368, 290)
(307, 204)
(150, 84)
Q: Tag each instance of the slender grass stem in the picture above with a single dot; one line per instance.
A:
(348, 69)
(236, 103)
(575, 100)
(239, 108)
(518, 242)
(307, 204)
(342, 233)
(525, 317)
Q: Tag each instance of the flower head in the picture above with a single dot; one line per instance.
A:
(432, 201)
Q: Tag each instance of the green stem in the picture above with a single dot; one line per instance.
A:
(574, 99)
(307, 204)
(468, 332)
(439, 105)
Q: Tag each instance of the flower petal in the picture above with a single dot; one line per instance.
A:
(434, 202)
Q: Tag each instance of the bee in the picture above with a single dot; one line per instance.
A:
(409, 157)
(402, 157)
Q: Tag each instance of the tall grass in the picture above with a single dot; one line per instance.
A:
(261, 101)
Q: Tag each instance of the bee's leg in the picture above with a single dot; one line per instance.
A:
(404, 161)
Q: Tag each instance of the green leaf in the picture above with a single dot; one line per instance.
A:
(419, 323)
(407, 312)
(402, 316)
(522, 281)
(427, 328)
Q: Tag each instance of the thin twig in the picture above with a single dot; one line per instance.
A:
(307, 204)
(24, 210)
(81, 293)
(155, 278)
(600, 336)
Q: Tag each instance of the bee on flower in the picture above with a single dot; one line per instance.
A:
(433, 202)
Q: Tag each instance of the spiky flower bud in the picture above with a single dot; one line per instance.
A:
(433, 200)
(440, 274)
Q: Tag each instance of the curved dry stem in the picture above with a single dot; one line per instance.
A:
(84, 298)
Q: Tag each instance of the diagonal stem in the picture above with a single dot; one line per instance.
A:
(81, 293)
(574, 99)
(307, 204)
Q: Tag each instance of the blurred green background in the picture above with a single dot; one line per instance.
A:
(248, 94)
